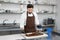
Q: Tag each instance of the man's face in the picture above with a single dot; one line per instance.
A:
(30, 10)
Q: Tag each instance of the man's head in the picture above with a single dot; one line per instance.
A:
(30, 8)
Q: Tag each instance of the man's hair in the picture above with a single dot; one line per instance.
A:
(29, 6)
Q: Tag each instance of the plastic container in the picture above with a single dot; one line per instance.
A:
(49, 32)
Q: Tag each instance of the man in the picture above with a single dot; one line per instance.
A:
(29, 20)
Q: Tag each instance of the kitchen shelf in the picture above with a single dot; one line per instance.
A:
(21, 13)
(49, 25)
(8, 2)
(42, 4)
(9, 13)
(45, 13)
(26, 4)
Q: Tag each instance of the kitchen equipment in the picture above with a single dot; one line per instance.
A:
(6, 0)
(4, 23)
(49, 32)
(21, 1)
(45, 11)
(2, 10)
(48, 21)
(14, 22)
(29, 2)
(36, 1)
(13, 1)
(7, 11)
(39, 26)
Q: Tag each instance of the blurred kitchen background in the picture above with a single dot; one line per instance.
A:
(12, 9)
(10, 12)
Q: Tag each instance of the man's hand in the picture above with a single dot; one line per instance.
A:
(21, 28)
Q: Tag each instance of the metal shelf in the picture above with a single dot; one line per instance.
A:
(42, 4)
(26, 4)
(53, 5)
(45, 13)
(8, 2)
(21, 13)
(49, 25)
(9, 13)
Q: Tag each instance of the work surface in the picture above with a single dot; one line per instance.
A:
(20, 36)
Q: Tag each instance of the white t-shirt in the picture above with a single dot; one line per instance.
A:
(30, 15)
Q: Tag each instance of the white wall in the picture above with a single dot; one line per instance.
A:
(58, 15)
(12, 17)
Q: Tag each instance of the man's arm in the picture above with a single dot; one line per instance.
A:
(36, 19)
(22, 19)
